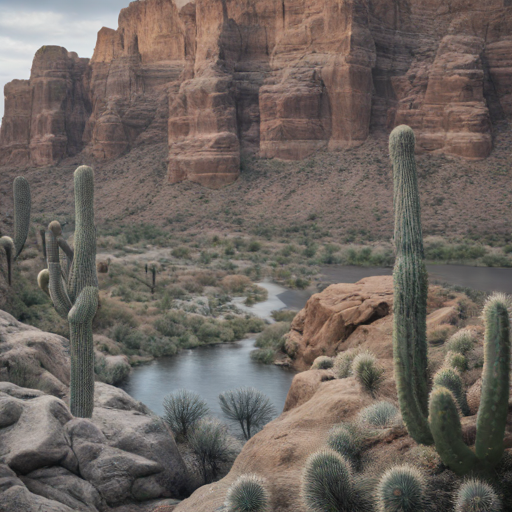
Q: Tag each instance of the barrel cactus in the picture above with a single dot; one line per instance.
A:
(247, 494)
(344, 440)
(22, 206)
(437, 420)
(77, 299)
(327, 483)
(477, 496)
(401, 489)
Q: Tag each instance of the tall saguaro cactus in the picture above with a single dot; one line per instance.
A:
(22, 206)
(442, 425)
(77, 300)
(410, 289)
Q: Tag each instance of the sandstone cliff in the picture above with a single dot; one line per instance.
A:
(279, 78)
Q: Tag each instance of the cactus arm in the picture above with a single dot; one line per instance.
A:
(83, 271)
(82, 352)
(63, 244)
(8, 245)
(43, 281)
(493, 410)
(410, 289)
(58, 293)
(22, 205)
(447, 433)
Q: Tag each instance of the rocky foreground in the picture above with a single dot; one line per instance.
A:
(125, 460)
(279, 78)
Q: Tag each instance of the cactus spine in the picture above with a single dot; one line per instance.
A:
(22, 206)
(409, 340)
(410, 289)
(78, 299)
(401, 489)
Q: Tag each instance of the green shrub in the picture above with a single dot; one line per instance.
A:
(381, 415)
(456, 361)
(181, 253)
(438, 336)
(283, 315)
(171, 324)
(248, 407)
(160, 346)
(110, 372)
(212, 445)
(461, 342)
(322, 363)
(272, 336)
(183, 410)
(264, 355)
(254, 246)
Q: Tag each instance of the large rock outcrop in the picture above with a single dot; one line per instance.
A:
(123, 457)
(279, 78)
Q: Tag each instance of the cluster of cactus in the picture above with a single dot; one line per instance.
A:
(73, 288)
(22, 206)
(437, 420)
(247, 494)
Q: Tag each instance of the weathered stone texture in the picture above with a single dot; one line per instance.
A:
(278, 78)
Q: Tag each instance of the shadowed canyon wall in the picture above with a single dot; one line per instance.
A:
(277, 78)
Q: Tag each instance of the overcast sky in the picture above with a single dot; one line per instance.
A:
(26, 25)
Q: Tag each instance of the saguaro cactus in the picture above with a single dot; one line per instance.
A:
(22, 205)
(78, 299)
(442, 426)
(492, 414)
(410, 289)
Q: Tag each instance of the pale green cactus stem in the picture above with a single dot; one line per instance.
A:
(410, 289)
(493, 410)
(82, 352)
(22, 206)
(78, 302)
(83, 269)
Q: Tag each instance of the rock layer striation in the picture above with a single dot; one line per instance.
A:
(277, 78)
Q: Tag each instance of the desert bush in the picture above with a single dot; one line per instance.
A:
(438, 336)
(322, 363)
(206, 279)
(456, 361)
(235, 284)
(111, 313)
(248, 407)
(192, 286)
(264, 355)
(183, 410)
(462, 342)
(342, 365)
(247, 494)
(381, 415)
(477, 496)
(253, 246)
(212, 445)
(111, 371)
(181, 253)
(128, 336)
(283, 315)
(171, 324)
(272, 336)
(367, 373)
(160, 346)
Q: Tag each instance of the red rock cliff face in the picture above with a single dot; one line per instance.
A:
(279, 78)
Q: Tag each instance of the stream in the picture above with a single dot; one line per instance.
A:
(212, 369)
